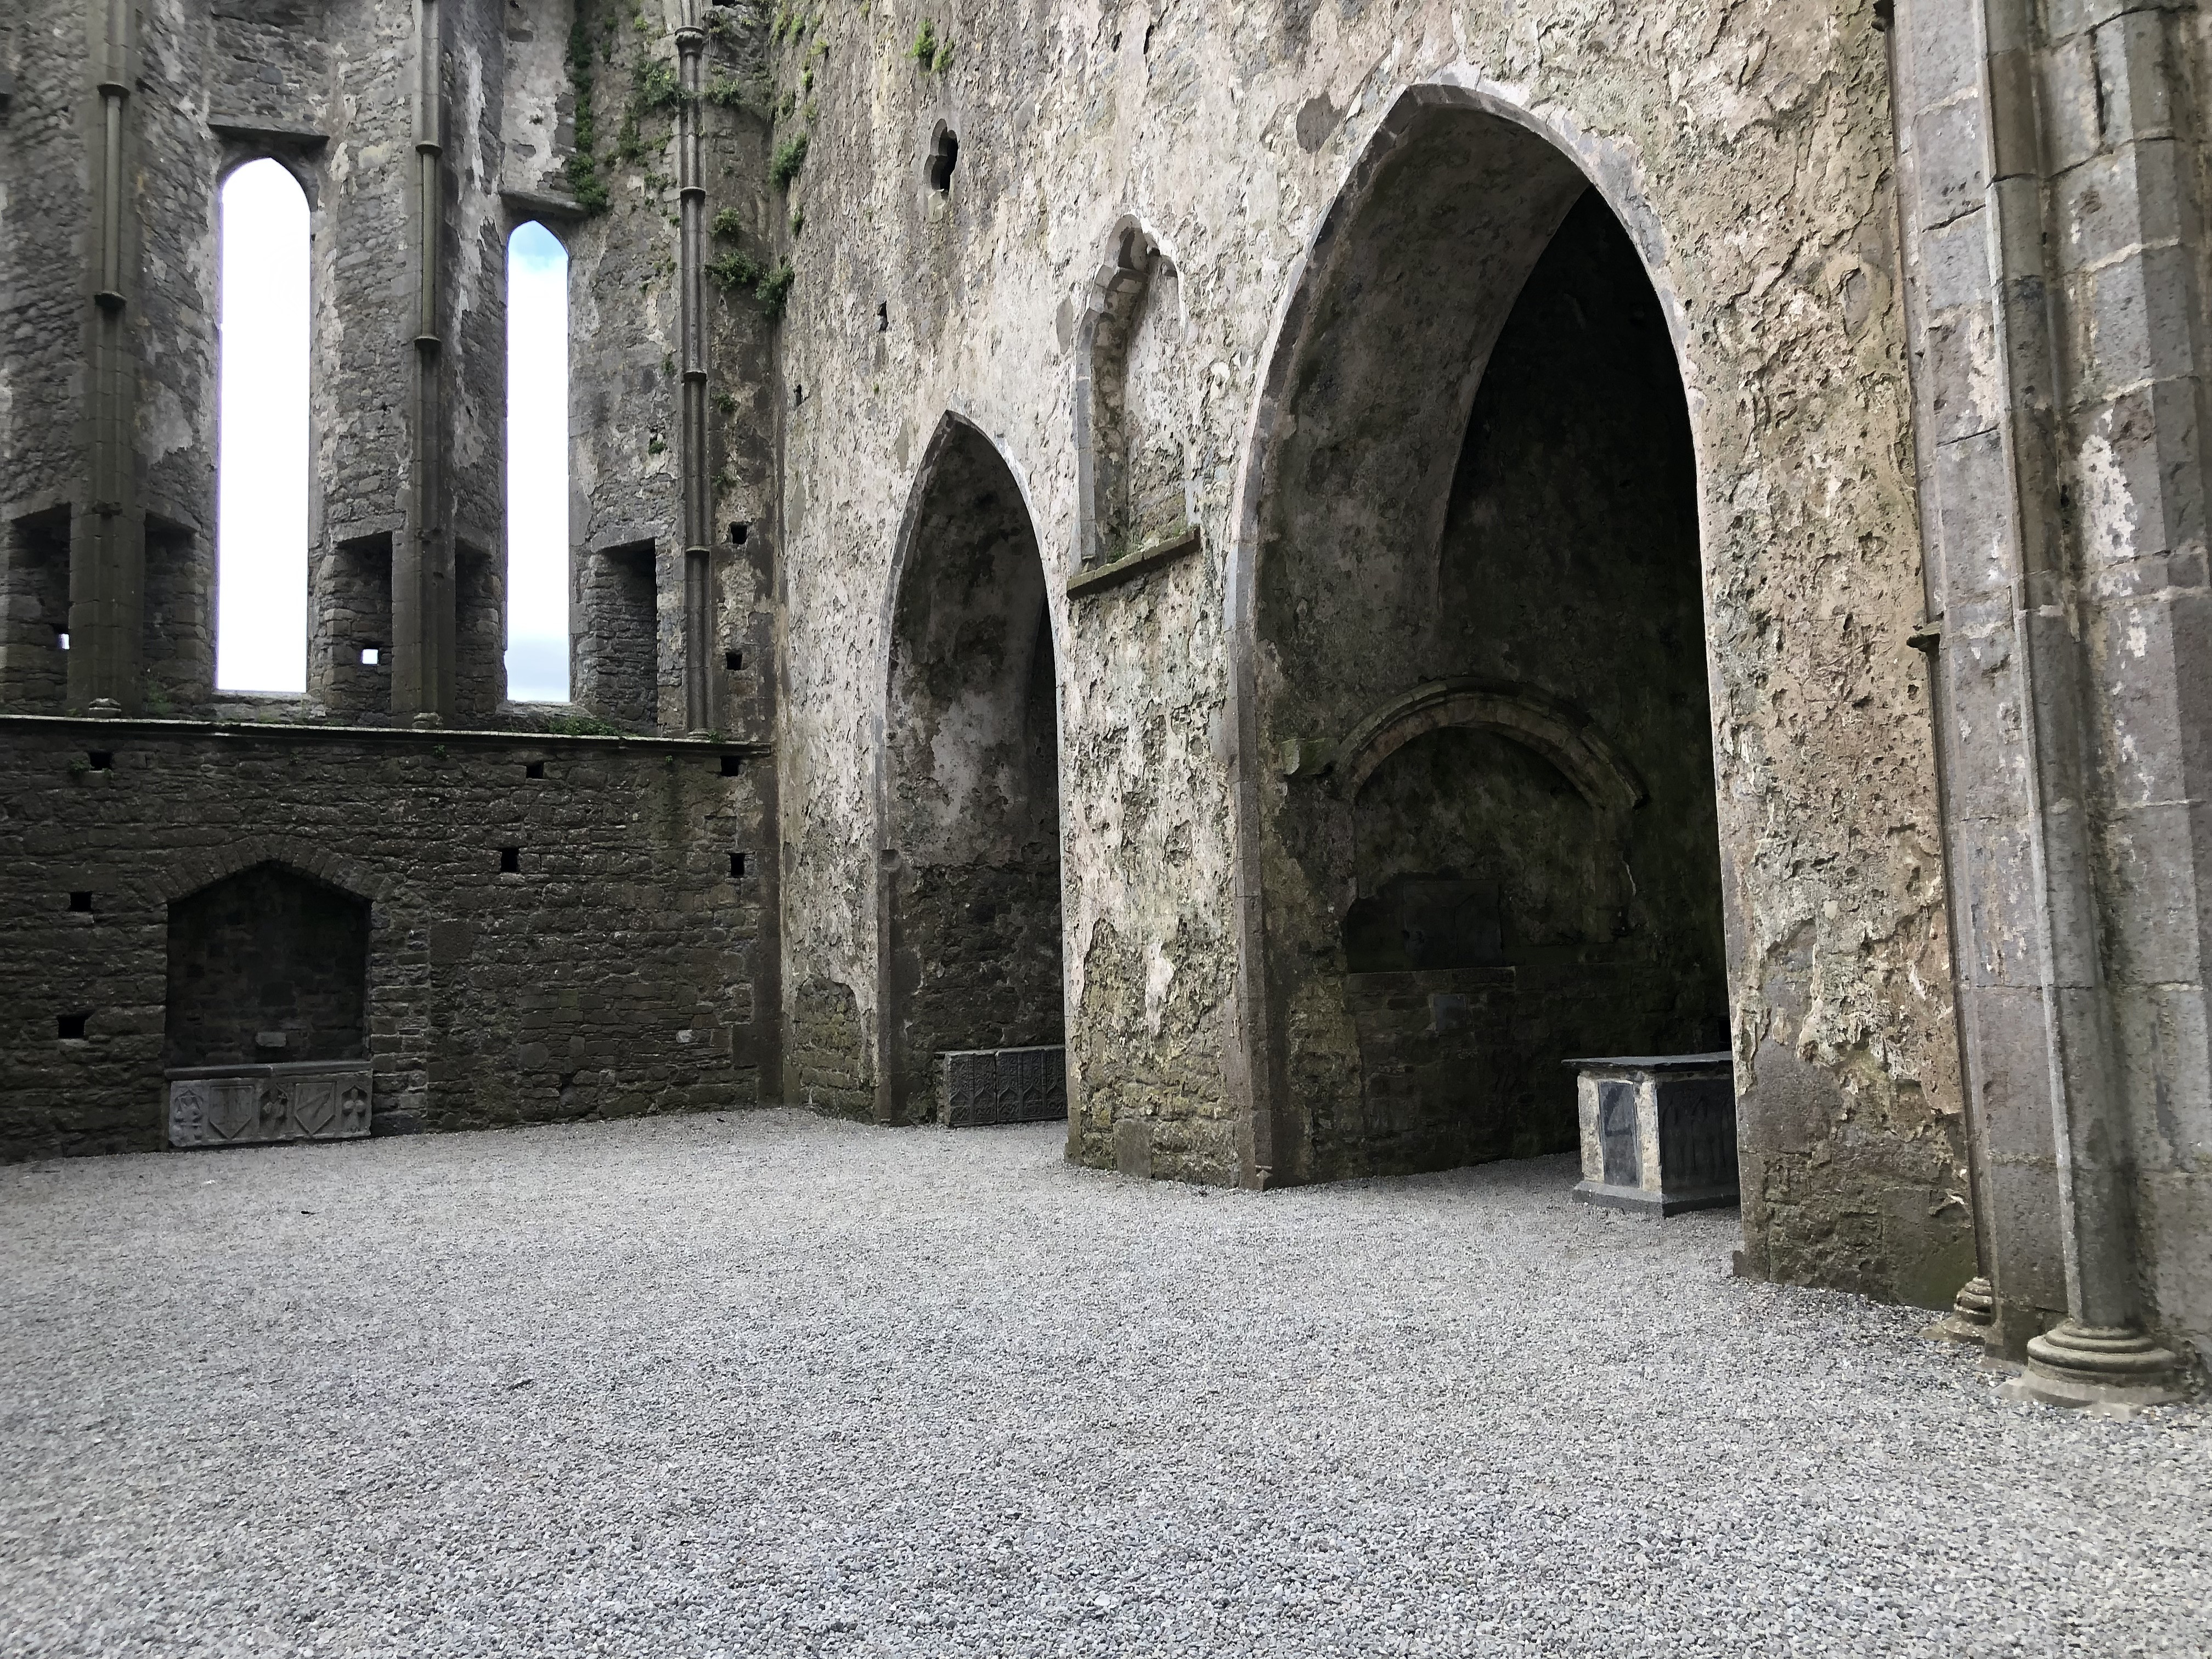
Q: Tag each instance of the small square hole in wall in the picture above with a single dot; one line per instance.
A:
(737, 864)
(61, 639)
(100, 760)
(733, 765)
(82, 902)
(69, 1028)
(533, 769)
(733, 661)
(738, 532)
(510, 860)
(370, 656)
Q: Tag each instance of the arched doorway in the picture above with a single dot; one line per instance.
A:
(971, 995)
(1476, 667)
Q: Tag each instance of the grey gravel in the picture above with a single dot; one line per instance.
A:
(768, 1383)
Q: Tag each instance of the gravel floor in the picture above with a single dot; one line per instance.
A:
(770, 1384)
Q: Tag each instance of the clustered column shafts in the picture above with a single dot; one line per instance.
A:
(2101, 1342)
(107, 567)
(691, 300)
(423, 596)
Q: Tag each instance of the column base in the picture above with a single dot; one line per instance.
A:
(1972, 1315)
(2107, 1371)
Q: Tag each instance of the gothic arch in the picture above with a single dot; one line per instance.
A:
(1529, 168)
(966, 776)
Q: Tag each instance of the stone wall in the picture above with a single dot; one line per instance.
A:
(1749, 159)
(612, 971)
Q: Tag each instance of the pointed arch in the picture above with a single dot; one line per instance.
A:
(966, 776)
(1519, 172)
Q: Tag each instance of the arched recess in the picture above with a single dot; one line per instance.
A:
(968, 787)
(1132, 410)
(267, 963)
(1472, 466)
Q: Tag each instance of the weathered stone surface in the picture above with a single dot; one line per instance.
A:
(251, 1105)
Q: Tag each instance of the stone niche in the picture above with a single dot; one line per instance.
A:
(1133, 407)
(267, 1011)
(1658, 1133)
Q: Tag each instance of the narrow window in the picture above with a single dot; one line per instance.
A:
(510, 860)
(537, 466)
(262, 461)
(944, 156)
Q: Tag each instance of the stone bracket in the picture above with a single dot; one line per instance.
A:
(1142, 562)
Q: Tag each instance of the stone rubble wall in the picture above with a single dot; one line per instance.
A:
(614, 973)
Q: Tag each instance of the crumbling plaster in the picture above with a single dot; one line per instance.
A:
(1748, 150)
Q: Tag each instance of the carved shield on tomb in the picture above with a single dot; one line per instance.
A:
(315, 1107)
(322, 1100)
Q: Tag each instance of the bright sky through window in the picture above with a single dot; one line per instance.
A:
(262, 466)
(537, 466)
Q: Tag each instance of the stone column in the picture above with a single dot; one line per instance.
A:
(692, 452)
(423, 596)
(2014, 353)
(107, 562)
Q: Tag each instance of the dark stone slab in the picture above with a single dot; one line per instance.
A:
(1003, 1086)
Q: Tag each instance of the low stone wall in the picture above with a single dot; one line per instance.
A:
(559, 927)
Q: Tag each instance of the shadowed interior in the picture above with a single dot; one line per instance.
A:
(1488, 479)
(973, 771)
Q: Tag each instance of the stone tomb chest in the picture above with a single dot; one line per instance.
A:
(1002, 1085)
(1658, 1132)
(246, 1105)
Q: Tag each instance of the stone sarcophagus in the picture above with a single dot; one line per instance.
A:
(1002, 1085)
(251, 1105)
(1658, 1132)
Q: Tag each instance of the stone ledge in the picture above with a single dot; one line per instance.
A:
(1142, 562)
(115, 726)
(260, 130)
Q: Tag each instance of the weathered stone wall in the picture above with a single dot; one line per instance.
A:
(1248, 268)
(1748, 156)
(44, 196)
(2055, 200)
(1554, 560)
(613, 972)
